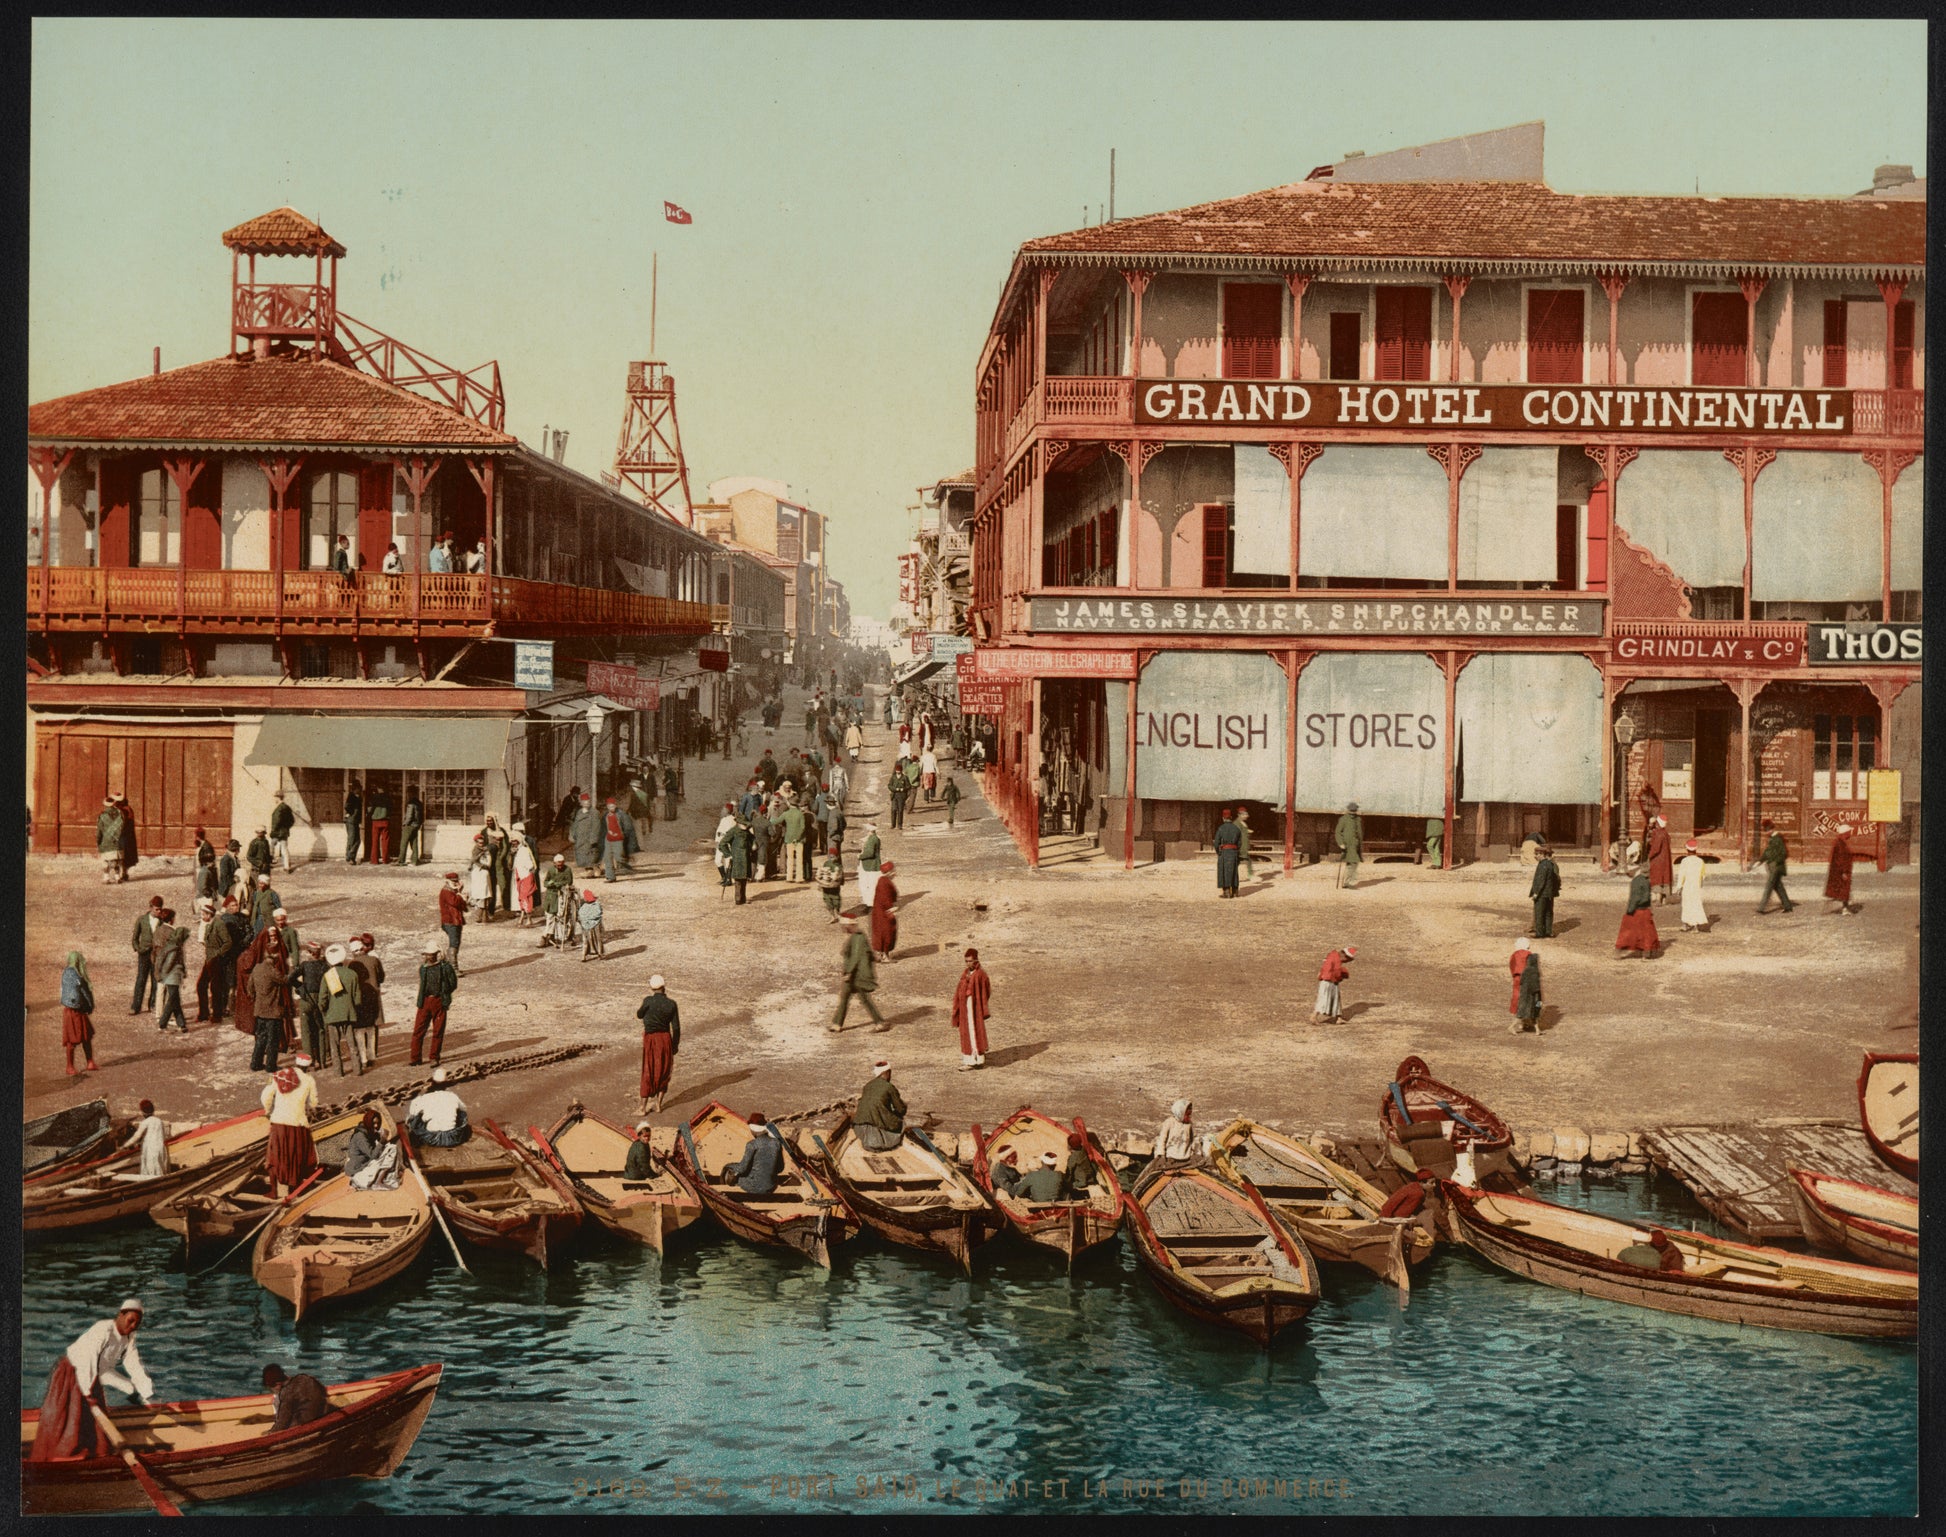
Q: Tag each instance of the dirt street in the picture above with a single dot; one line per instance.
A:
(1113, 992)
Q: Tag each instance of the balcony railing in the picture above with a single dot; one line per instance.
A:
(1708, 629)
(282, 309)
(322, 602)
(1888, 413)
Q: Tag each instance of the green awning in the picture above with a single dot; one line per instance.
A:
(379, 742)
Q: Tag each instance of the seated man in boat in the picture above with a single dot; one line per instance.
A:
(763, 1159)
(1175, 1138)
(1407, 1200)
(1043, 1184)
(104, 1356)
(641, 1157)
(1005, 1172)
(436, 1117)
(1080, 1172)
(880, 1116)
(300, 1399)
(1657, 1254)
(368, 1145)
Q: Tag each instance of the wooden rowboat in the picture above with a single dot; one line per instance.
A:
(1217, 1252)
(590, 1152)
(1881, 1227)
(337, 1242)
(804, 1212)
(1070, 1228)
(495, 1193)
(73, 1135)
(221, 1207)
(910, 1194)
(1731, 1282)
(112, 1188)
(222, 1448)
(1427, 1124)
(1888, 1108)
(1335, 1211)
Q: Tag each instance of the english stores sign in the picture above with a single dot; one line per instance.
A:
(1231, 616)
(1211, 726)
(1491, 408)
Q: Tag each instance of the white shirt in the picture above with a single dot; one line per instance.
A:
(438, 1108)
(1173, 1139)
(294, 1108)
(154, 1138)
(103, 1354)
(393, 565)
(476, 560)
(928, 764)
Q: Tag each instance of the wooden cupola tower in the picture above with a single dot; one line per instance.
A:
(265, 313)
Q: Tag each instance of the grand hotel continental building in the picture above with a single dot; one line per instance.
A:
(1495, 509)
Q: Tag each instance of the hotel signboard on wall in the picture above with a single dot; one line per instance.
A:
(1491, 408)
(1306, 616)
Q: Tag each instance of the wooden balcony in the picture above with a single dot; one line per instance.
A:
(321, 603)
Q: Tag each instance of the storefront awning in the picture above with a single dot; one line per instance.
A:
(918, 670)
(379, 742)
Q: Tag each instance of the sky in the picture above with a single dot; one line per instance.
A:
(858, 190)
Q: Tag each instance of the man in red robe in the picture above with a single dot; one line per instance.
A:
(1837, 880)
(1662, 867)
(970, 1002)
(885, 918)
(103, 1357)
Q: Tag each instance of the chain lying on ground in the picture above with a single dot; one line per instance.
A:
(799, 1115)
(462, 1073)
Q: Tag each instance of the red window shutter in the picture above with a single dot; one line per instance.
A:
(202, 520)
(1899, 376)
(1554, 335)
(1718, 340)
(374, 515)
(117, 530)
(1253, 327)
(1834, 344)
(1111, 536)
(1346, 329)
(1567, 554)
(1216, 544)
(1051, 565)
(1404, 333)
(1598, 536)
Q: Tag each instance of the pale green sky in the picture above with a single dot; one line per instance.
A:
(858, 189)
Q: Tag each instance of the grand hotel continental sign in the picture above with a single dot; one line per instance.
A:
(1492, 407)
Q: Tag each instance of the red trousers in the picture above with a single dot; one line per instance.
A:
(657, 1060)
(429, 1026)
(378, 843)
(67, 1426)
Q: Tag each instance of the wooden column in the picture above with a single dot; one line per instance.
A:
(1752, 286)
(482, 472)
(1612, 284)
(1293, 662)
(1042, 289)
(1128, 768)
(1456, 285)
(418, 472)
(1607, 761)
(1750, 461)
(280, 472)
(182, 474)
(1453, 458)
(1450, 664)
(1891, 290)
(1138, 284)
(1746, 690)
(1888, 462)
(1298, 282)
(48, 469)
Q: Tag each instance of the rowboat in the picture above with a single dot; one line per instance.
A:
(1217, 1252)
(495, 1193)
(221, 1207)
(1335, 1211)
(590, 1152)
(804, 1212)
(1731, 1282)
(112, 1188)
(222, 1448)
(1427, 1125)
(1070, 1228)
(910, 1194)
(1888, 1108)
(337, 1242)
(73, 1135)
(1878, 1226)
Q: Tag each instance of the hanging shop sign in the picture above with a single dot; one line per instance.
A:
(1491, 408)
(1772, 653)
(713, 653)
(1866, 644)
(1013, 663)
(951, 645)
(1288, 616)
(982, 698)
(1883, 802)
(625, 686)
(534, 664)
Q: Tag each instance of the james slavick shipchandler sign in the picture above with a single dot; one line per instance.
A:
(1287, 616)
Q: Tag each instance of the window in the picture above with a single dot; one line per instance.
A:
(1346, 329)
(158, 522)
(453, 795)
(1834, 344)
(1716, 603)
(1567, 547)
(1403, 334)
(331, 510)
(1253, 329)
(1678, 770)
(1216, 544)
(1718, 339)
(1844, 749)
(1555, 326)
(1901, 378)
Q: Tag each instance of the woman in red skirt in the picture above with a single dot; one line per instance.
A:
(1638, 922)
(77, 1011)
(291, 1096)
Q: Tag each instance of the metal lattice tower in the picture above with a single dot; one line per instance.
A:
(648, 456)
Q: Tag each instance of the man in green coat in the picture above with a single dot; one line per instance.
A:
(1545, 888)
(108, 842)
(880, 1116)
(735, 846)
(1349, 835)
(338, 997)
(1774, 857)
(283, 821)
(951, 796)
(860, 976)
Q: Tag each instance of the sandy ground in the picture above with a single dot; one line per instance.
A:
(1113, 992)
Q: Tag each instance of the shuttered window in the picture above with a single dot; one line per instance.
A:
(1902, 346)
(1346, 328)
(1555, 326)
(1834, 344)
(1253, 329)
(1718, 339)
(1216, 544)
(1403, 333)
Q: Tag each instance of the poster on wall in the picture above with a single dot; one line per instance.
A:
(1210, 726)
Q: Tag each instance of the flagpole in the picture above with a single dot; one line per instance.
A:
(653, 257)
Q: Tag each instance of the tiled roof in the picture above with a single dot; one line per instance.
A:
(1478, 225)
(281, 232)
(245, 402)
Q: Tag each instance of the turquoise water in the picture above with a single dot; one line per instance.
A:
(728, 1379)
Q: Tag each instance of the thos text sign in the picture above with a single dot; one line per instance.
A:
(1490, 408)
(1013, 664)
(625, 685)
(1866, 645)
(1302, 616)
(1769, 652)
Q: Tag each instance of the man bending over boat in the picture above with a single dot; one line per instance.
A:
(300, 1399)
(437, 1118)
(880, 1116)
(763, 1157)
(104, 1356)
(1657, 1254)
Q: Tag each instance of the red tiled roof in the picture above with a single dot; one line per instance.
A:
(281, 232)
(245, 402)
(1483, 223)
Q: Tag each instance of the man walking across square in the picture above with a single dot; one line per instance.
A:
(858, 976)
(1544, 888)
(1775, 857)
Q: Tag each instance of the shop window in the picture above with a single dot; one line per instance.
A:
(1906, 607)
(158, 521)
(1403, 333)
(1844, 749)
(1555, 321)
(1818, 613)
(1716, 603)
(1719, 339)
(322, 793)
(1678, 770)
(330, 510)
(1347, 327)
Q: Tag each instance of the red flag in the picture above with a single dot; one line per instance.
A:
(674, 214)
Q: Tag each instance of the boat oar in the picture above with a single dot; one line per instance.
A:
(261, 1224)
(689, 1144)
(437, 1215)
(164, 1506)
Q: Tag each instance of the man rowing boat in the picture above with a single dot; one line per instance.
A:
(104, 1355)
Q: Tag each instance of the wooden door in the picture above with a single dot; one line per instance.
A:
(1718, 340)
(175, 781)
(1555, 327)
(1403, 331)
